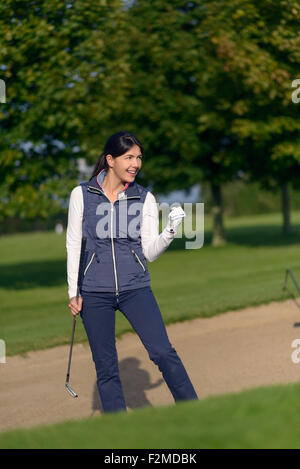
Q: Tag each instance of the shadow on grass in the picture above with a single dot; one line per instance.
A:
(252, 236)
(260, 235)
(33, 274)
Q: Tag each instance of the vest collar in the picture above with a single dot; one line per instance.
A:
(130, 188)
(100, 177)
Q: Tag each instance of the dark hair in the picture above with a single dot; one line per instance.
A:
(116, 146)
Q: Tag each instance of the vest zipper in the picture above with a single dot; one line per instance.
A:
(85, 271)
(97, 191)
(133, 252)
(112, 247)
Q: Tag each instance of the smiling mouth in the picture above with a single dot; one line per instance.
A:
(133, 173)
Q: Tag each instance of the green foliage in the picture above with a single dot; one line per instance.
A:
(213, 85)
(65, 71)
(257, 56)
(206, 86)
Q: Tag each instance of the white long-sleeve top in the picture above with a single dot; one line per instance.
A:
(153, 243)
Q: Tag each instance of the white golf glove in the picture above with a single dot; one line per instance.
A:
(175, 216)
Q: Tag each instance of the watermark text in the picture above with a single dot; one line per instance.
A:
(127, 221)
(2, 351)
(2, 92)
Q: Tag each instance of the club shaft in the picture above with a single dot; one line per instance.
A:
(71, 349)
(79, 281)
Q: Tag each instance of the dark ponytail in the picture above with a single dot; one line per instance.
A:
(101, 164)
(116, 146)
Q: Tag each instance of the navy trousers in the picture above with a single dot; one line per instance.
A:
(140, 308)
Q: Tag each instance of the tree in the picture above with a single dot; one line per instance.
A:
(257, 44)
(211, 88)
(205, 84)
(65, 69)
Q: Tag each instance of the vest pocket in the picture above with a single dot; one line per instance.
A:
(138, 259)
(90, 262)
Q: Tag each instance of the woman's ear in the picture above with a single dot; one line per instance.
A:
(110, 161)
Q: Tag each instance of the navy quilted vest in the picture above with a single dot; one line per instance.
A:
(114, 260)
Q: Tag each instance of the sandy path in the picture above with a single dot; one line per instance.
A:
(226, 353)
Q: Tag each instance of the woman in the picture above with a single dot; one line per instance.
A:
(120, 220)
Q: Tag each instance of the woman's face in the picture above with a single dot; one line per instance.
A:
(126, 166)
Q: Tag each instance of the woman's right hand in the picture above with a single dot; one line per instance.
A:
(75, 307)
(175, 216)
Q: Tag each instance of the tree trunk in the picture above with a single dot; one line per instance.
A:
(218, 238)
(286, 209)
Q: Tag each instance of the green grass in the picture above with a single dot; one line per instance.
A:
(187, 284)
(258, 418)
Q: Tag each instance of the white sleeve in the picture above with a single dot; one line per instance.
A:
(153, 243)
(73, 238)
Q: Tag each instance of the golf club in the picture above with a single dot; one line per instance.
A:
(79, 281)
